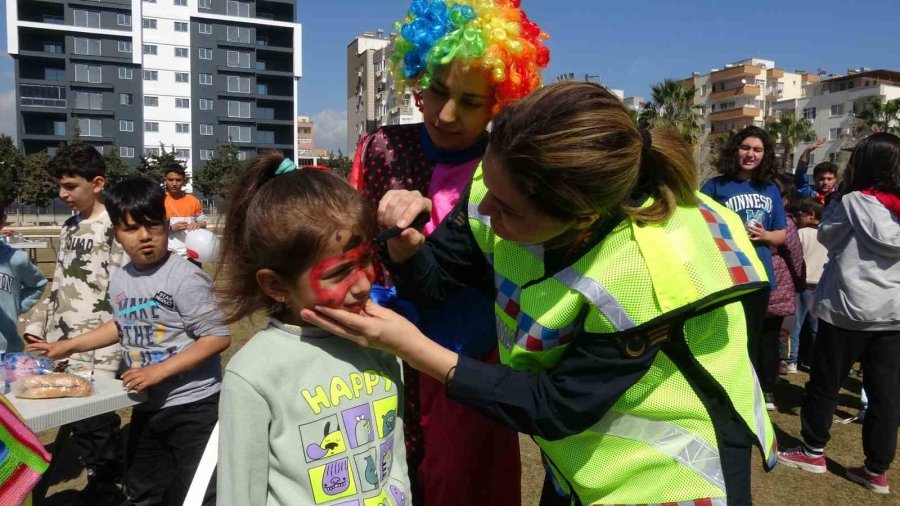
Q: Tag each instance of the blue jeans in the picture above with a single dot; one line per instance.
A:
(805, 300)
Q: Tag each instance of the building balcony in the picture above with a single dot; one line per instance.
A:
(745, 90)
(736, 73)
(774, 74)
(736, 113)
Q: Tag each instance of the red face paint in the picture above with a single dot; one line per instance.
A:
(360, 257)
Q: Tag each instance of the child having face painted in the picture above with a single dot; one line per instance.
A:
(296, 239)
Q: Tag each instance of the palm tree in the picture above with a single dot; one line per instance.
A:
(671, 105)
(791, 130)
(881, 114)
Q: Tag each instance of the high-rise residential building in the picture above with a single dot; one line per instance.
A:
(742, 93)
(307, 152)
(372, 100)
(831, 105)
(186, 74)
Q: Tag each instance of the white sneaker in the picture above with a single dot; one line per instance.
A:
(791, 368)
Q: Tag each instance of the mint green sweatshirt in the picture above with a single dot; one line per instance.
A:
(309, 418)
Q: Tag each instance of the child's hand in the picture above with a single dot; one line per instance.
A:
(815, 145)
(56, 351)
(138, 379)
(192, 226)
(180, 226)
(31, 338)
(756, 232)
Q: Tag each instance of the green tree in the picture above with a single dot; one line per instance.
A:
(154, 166)
(880, 114)
(217, 175)
(11, 162)
(672, 105)
(790, 131)
(116, 168)
(37, 186)
(339, 163)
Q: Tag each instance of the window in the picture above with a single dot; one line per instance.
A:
(262, 41)
(239, 133)
(180, 3)
(59, 128)
(151, 75)
(126, 151)
(149, 23)
(183, 153)
(237, 84)
(238, 34)
(837, 109)
(206, 53)
(90, 127)
(126, 125)
(84, 45)
(52, 74)
(263, 89)
(206, 4)
(761, 83)
(150, 1)
(260, 65)
(182, 77)
(124, 46)
(87, 100)
(809, 113)
(151, 151)
(123, 19)
(206, 79)
(206, 104)
(238, 59)
(53, 47)
(150, 49)
(265, 137)
(204, 28)
(834, 134)
(151, 126)
(181, 52)
(206, 129)
(265, 113)
(43, 96)
(87, 73)
(126, 99)
(207, 154)
(182, 128)
(89, 19)
(126, 73)
(241, 9)
(181, 26)
(238, 109)
(151, 101)
(182, 103)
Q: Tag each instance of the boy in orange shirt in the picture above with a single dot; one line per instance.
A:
(183, 211)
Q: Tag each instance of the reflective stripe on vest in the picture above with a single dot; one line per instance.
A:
(599, 296)
(717, 501)
(681, 445)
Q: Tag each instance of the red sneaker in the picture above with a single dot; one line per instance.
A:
(875, 482)
(797, 457)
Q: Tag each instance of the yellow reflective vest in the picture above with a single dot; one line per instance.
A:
(676, 284)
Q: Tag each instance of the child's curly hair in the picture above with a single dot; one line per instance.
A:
(728, 163)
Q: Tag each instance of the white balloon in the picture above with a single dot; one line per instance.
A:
(202, 245)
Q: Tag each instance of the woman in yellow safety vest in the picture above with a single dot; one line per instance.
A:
(618, 293)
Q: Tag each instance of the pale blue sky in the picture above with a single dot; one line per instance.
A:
(631, 44)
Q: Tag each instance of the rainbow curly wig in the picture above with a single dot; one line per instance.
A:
(495, 35)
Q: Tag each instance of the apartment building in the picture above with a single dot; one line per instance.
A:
(742, 93)
(186, 74)
(372, 100)
(831, 106)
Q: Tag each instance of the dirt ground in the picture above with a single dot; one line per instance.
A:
(782, 486)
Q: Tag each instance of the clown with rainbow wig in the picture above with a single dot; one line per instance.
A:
(463, 61)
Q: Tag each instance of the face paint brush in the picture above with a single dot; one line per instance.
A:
(392, 232)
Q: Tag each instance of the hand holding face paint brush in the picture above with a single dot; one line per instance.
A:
(401, 213)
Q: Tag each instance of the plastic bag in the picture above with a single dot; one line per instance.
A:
(20, 365)
(51, 386)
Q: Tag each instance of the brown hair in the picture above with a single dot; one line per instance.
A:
(574, 150)
(728, 163)
(281, 223)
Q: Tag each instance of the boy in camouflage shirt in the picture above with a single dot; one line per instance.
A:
(78, 301)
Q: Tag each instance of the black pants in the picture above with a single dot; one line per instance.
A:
(99, 442)
(163, 451)
(762, 339)
(835, 351)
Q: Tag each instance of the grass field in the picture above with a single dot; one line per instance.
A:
(782, 486)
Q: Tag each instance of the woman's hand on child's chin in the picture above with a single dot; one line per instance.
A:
(375, 327)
